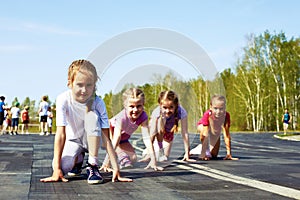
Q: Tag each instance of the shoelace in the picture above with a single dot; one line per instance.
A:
(94, 170)
(125, 160)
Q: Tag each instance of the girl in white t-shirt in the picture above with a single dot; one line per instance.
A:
(80, 119)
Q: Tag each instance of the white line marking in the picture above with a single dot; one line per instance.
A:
(256, 146)
(269, 187)
(13, 173)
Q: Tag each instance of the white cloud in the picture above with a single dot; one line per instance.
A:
(34, 27)
(25, 26)
(16, 48)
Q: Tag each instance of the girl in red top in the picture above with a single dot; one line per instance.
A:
(25, 119)
(210, 127)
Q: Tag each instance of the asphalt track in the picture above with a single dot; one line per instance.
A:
(268, 168)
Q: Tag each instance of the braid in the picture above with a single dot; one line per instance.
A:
(175, 127)
(134, 93)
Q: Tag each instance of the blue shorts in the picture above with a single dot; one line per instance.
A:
(14, 122)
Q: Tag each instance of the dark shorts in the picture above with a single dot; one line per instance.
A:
(14, 122)
(169, 136)
(123, 141)
(25, 121)
(1, 118)
(43, 118)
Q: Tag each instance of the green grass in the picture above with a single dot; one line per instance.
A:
(287, 134)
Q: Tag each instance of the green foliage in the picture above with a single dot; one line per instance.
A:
(264, 82)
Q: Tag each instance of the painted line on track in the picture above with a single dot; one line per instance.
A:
(217, 174)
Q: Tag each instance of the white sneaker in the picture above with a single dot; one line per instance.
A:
(208, 154)
(42, 133)
(161, 156)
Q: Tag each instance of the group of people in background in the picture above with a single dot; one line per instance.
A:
(11, 116)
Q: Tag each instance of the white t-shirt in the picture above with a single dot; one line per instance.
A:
(44, 108)
(15, 112)
(71, 114)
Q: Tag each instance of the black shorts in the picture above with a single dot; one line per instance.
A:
(1, 118)
(44, 118)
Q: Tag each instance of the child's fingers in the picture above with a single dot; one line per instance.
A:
(63, 179)
(106, 169)
(122, 179)
(52, 179)
(157, 168)
(144, 159)
(148, 166)
(229, 157)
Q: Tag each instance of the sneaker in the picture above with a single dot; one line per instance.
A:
(125, 163)
(76, 171)
(161, 156)
(208, 154)
(42, 133)
(93, 174)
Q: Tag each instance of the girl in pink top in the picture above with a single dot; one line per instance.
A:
(210, 127)
(124, 124)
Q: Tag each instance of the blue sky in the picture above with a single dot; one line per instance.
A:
(39, 39)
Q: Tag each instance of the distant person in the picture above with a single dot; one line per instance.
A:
(286, 119)
(25, 120)
(214, 121)
(124, 124)
(2, 109)
(7, 122)
(81, 120)
(49, 120)
(15, 115)
(43, 108)
(164, 124)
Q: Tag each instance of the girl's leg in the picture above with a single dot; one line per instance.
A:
(126, 149)
(205, 152)
(167, 147)
(93, 146)
(215, 149)
(73, 153)
(23, 128)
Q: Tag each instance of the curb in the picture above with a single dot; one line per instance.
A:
(290, 138)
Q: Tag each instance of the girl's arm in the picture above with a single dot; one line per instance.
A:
(185, 137)
(116, 137)
(59, 143)
(227, 140)
(113, 157)
(153, 128)
(21, 116)
(204, 140)
(149, 146)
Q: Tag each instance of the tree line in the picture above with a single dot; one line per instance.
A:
(264, 81)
